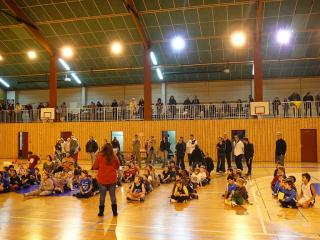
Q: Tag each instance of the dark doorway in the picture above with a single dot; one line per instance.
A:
(23, 145)
(66, 135)
(308, 140)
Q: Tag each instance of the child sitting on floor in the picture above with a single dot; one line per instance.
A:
(205, 179)
(278, 186)
(45, 189)
(307, 196)
(280, 172)
(25, 178)
(134, 169)
(85, 186)
(290, 197)
(59, 182)
(155, 178)
(15, 181)
(4, 183)
(180, 193)
(279, 167)
(127, 174)
(146, 183)
(240, 194)
(165, 177)
(231, 186)
(137, 191)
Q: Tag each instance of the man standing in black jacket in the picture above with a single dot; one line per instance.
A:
(228, 150)
(91, 148)
(248, 154)
(281, 148)
(180, 152)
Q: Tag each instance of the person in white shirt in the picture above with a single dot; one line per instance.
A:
(238, 152)
(307, 195)
(191, 144)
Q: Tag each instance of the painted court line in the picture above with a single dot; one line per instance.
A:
(164, 228)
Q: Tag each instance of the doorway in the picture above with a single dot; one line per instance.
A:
(23, 147)
(172, 139)
(65, 135)
(119, 136)
(308, 140)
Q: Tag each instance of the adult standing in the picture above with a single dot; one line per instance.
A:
(180, 152)
(114, 106)
(74, 149)
(191, 144)
(107, 165)
(91, 148)
(115, 144)
(308, 99)
(197, 157)
(151, 150)
(136, 146)
(221, 152)
(172, 104)
(238, 152)
(165, 149)
(228, 149)
(248, 154)
(281, 149)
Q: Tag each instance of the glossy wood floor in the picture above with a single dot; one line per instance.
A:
(207, 218)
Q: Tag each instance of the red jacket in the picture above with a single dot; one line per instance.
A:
(107, 174)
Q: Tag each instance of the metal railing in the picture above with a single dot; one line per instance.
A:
(166, 112)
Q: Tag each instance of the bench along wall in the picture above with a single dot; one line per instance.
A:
(262, 132)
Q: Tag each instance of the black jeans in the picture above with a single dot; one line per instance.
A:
(189, 159)
(228, 157)
(180, 161)
(221, 163)
(103, 188)
(238, 160)
(249, 164)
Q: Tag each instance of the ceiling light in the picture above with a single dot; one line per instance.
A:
(64, 64)
(160, 76)
(252, 69)
(153, 58)
(75, 77)
(67, 52)
(283, 36)
(1, 58)
(32, 54)
(4, 83)
(116, 47)
(238, 39)
(178, 43)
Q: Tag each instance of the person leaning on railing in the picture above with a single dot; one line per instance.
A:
(307, 99)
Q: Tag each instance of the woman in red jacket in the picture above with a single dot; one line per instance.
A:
(107, 164)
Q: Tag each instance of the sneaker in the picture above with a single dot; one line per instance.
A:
(141, 199)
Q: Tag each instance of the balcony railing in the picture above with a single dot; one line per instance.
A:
(165, 112)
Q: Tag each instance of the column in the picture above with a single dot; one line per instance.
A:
(83, 96)
(164, 93)
(147, 86)
(53, 81)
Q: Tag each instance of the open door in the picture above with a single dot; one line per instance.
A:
(119, 136)
(172, 139)
(66, 135)
(308, 140)
(23, 147)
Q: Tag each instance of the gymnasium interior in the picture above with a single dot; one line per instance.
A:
(148, 72)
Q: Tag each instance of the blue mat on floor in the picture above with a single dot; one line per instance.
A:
(36, 187)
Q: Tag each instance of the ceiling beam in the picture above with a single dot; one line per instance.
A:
(137, 21)
(21, 17)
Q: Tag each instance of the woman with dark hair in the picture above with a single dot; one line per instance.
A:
(48, 166)
(107, 164)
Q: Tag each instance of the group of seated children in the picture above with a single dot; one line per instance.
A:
(236, 193)
(200, 177)
(12, 179)
(142, 185)
(284, 189)
(129, 172)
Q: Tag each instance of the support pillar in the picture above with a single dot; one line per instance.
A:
(164, 93)
(53, 81)
(147, 86)
(83, 96)
(258, 83)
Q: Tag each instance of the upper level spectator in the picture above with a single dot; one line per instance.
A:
(172, 101)
(195, 100)
(294, 97)
(187, 101)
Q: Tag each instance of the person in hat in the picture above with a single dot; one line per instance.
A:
(85, 186)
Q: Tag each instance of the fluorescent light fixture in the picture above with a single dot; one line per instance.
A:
(64, 64)
(1, 58)
(238, 39)
(160, 76)
(178, 43)
(153, 58)
(75, 77)
(4, 83)
(32, 54)
(67, 52)
(283, 36)
(252, 69)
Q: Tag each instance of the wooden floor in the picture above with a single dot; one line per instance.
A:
(207, 218)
